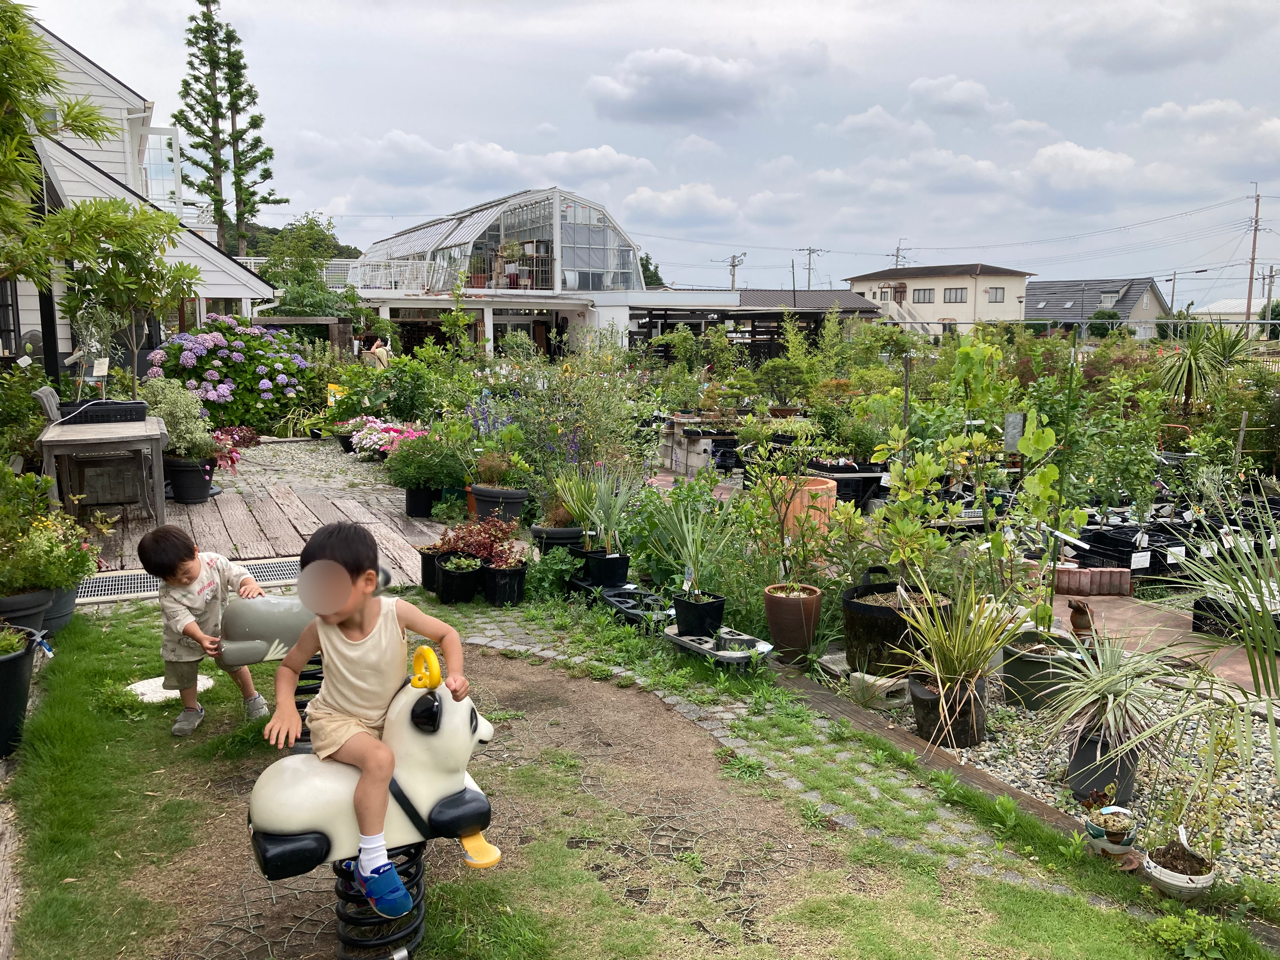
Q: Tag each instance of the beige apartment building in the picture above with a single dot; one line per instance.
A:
(944, 298)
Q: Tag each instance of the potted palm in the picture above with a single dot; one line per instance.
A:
(688, 536)
(423, 466)
(614, 490)
(950, 660)
(191, 453)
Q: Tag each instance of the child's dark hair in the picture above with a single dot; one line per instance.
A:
(164, 549)
(347, 544)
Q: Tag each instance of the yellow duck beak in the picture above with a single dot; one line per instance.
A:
(478, 852)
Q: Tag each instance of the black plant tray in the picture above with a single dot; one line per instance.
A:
(728, 646)
(583, 588)
(639, 607)
(103, 411)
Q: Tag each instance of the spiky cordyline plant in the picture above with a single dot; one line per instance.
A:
(690, 536)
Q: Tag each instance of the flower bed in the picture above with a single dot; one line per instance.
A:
(244, 375)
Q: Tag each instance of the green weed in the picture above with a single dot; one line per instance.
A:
(747, 769)
(691, 859)
(811, 815)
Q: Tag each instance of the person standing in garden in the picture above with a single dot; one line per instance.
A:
(381, 355)
(196, 590)
(361, 637)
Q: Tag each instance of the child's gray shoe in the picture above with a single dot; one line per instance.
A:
(187, 722)
(256, 707)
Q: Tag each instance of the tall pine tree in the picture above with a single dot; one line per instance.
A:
(203, 114)
(249, 155)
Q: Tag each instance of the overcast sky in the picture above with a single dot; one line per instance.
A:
(843, 126)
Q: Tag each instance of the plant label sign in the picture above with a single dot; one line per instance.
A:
(101, 366)
(1176, 554)
(884, 479)
(24, 362)
(1141, 560)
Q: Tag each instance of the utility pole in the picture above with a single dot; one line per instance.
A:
(1271, 289)
(810, 252)
(793, 283)
(1173, 294)
(734, 261)
(1253, 259)
(897, 253)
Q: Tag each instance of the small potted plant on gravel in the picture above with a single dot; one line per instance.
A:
(690, 537)
(1111, 829)
(17, 654)
(423, 466)
(504, 574)
(951, 658)
(191, 454)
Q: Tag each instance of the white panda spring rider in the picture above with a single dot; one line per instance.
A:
(301, 812)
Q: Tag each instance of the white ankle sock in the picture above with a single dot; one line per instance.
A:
(373, 852)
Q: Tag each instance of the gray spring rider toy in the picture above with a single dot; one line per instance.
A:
(302, 813)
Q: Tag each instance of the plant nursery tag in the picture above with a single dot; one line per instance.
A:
(1177, 554)
(1206, 550)
(1271, 543)
(688, 576)
(1141, 560)
(101, 366)
(884, 479)
(1188, 515)
(1228, 540)
(24, 361)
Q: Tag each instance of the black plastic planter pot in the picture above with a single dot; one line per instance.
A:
(26, 609)
(1029, 677)
(190, 480)
(1085, 774)
(699, 618)
(608, 571)
(419, 501)
(503, 587)
(15, 685)
(965, 723)
(872, 631)
(497, 502)
(429, 573)
(344, 441)
(545, 538)
(61, 611)
(453, 586)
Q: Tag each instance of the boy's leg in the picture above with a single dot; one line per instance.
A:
(244, 680)
(188, 695)
(255, 706)
(375, 873)
(182, 676)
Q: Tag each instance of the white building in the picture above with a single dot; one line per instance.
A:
(136, 165)
(943, 298)
(1232, 311)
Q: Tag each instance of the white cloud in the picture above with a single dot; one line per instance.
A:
(783, 167)
(1069, 166)
(1139, 36)
(877, 122)
(932, 170)
(952, 96)
(775, 209)
(546, 129)
(671, 86)
(690, 203)
(1025, 130)
(694, 145)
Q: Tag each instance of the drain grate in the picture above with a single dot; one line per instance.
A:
(138, 584)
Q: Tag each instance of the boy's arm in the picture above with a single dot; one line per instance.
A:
(411, 618)
(212, 645)
(236, 577)
(285, 725)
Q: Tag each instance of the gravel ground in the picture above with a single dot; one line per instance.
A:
(317, 466)
(1018, 751)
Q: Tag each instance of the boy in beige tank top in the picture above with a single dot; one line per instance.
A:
(365, 654)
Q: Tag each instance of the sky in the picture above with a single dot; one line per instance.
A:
(1079, 139)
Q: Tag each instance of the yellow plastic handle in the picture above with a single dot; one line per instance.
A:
(426, 669)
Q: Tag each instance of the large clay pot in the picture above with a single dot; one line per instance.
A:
(792, 620)
(26, 609)
(816, 499)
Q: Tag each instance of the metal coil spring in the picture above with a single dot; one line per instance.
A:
(369, 935)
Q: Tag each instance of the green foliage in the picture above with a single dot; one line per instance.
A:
(1189, 934)
(650, 273)
(947, 784)
(21, 418)
(785, 380)
(548, 579)
(180, 409)
(295, 265)
(11, 641)
(426, 462)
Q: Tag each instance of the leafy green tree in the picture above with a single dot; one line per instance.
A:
(296, 259)
(249, 154)
(203, 115)
(1102, 322)
(129, 278)
(30, 84)
(649, 270)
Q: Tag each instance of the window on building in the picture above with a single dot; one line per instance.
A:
(995, 295)
(1146, 301)
(1041, 304)
(922, 296)
(955, 294)
(884, 294)
(1109, 299)
(1068, 305)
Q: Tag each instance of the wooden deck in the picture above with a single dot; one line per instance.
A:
(275, 524)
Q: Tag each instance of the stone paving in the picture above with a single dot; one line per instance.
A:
(835, 779)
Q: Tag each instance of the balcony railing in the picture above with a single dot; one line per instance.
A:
(488, 273)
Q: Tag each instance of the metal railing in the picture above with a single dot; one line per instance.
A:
(336, 272)
(488, 273)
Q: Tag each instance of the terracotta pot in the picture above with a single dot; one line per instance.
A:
(792, 620)
(471, 503)
(817, 498)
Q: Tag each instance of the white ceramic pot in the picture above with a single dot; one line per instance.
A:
(1102, 842)
(1178, 885)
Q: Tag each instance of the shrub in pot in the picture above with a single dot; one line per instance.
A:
(504, 575)
(556, 528)
(17, 655)
(494, 485)
(950, 660)
(874, 626)
(690, 537)
(458, 577)
(423, 466)
(191, 453)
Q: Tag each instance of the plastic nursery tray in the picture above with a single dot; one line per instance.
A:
(638, 607)
(728, 646)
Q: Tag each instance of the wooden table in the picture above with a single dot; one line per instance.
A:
(147, 437)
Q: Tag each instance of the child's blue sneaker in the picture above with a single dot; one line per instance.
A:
(385, 891)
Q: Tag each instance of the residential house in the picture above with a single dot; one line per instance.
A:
(946, 297)
(1232, 311)
(138, 165)
(1138, 301)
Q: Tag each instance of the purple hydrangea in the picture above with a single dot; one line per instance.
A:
(290, 392)
(188, 359)
(279, 366)
(191, 384)
(296, 358)
(293, 381)
(224, 353)
(216, 339)
(261, 353)
(267, 395)
(224, 391)
(302, 364)
(238, 357)
(237, 344)
(264, 384)
(203, 412)
(282, 379)
(156, 357)
(154, 372)
(199, 349)
(211, 375)
(217, 363)
(204, 340)
(260, 370)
